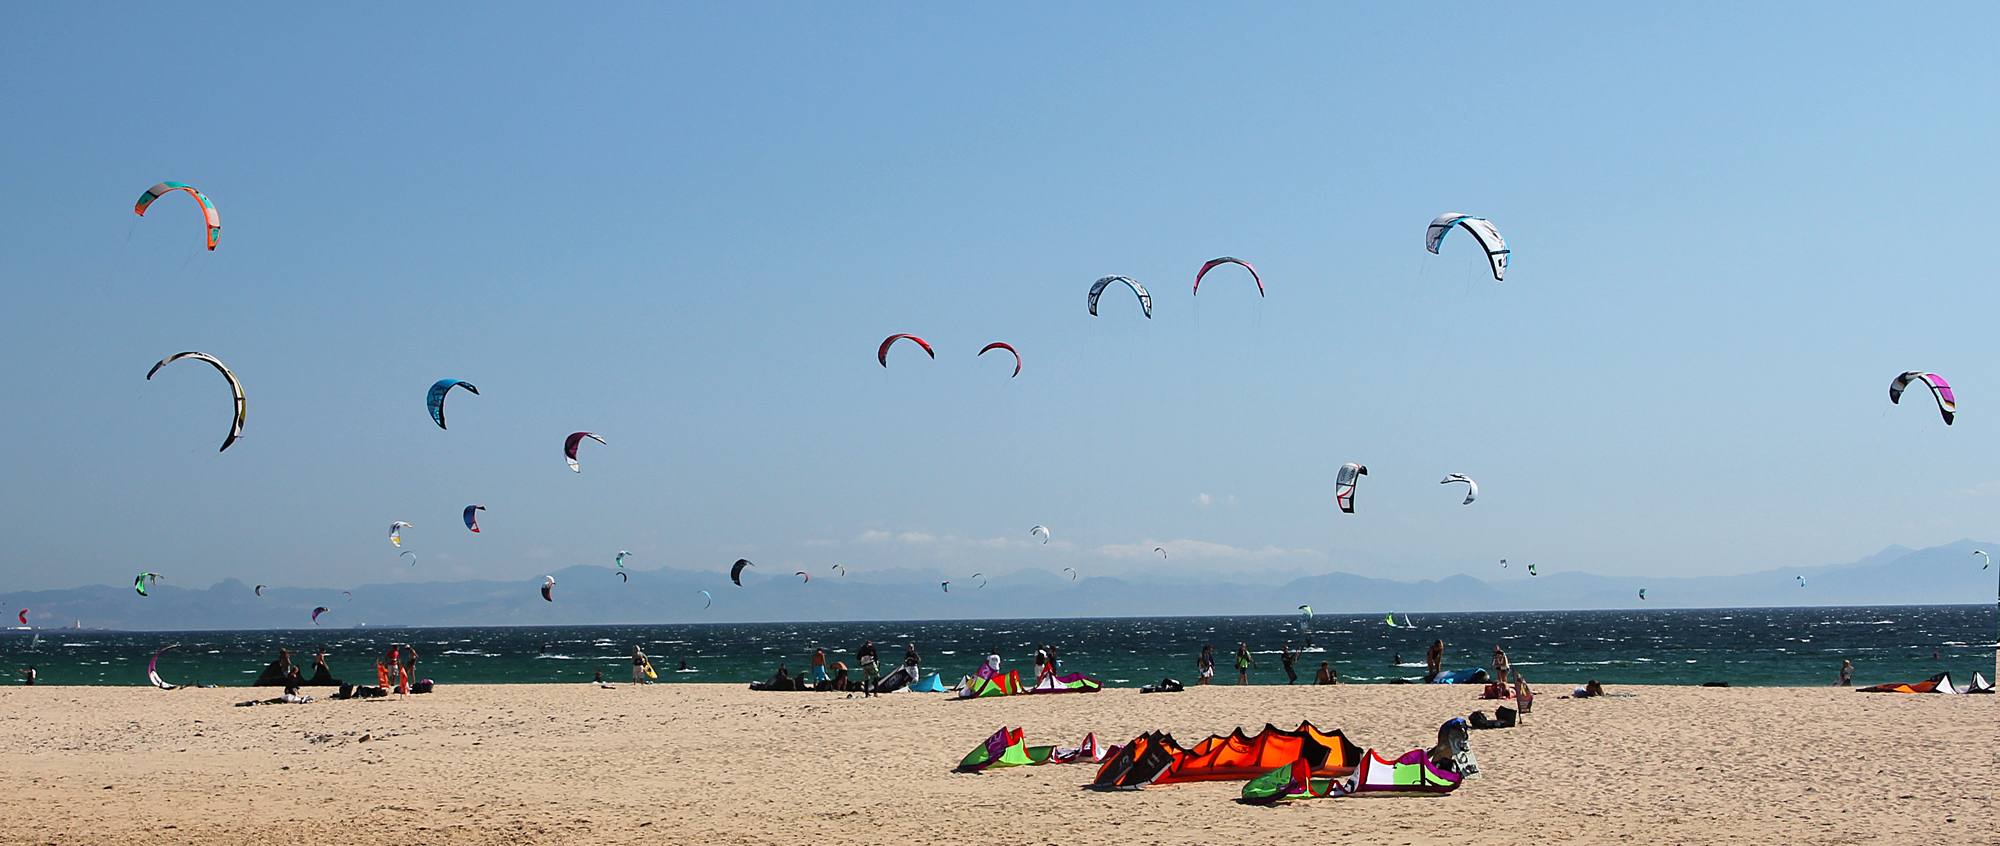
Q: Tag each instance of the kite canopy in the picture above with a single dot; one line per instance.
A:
(24, 616)
(235, 388)
(548, 588)
(1472, 487)
(1042, 530)
(1154, 758)
(882, 354)
(153, 669)
(569, 447)
(140, 581)
(843, 570)
(996, 345)
(1343, 485)
(802, 574)
(259, 591)
(207, 208)
(622, 576)
(436, 398)
(981, 577)
(1212, 263)
(396, 532)
(1941, 390)
(413, 557)
(1482, 231)
(1162, 551)
(736, 570)
(471, 518)
(316, 612)
(1145, 299)
(1071, 571)
(619, 559)
(710, 596)
(946, 586)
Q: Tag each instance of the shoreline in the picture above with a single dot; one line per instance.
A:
(574, 763)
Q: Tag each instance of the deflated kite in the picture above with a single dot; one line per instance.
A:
(436, 399)
(736, 570)
(1343, 485)
(1947, 405)
(1472, 487)
(235, 388)
(1212, 263)
(882, 354)
(1482, 231)
(1145, 299)
(996, 345)
(207, 208)
(471, 518)
(569, 447)
(153, 670)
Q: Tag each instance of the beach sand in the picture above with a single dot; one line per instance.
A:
(719, 764)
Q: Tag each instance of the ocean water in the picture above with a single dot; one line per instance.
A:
(1753, 647)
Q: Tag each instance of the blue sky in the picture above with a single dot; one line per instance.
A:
(687, 229)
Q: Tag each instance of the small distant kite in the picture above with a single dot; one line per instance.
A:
(710, 596)
(619, 559)
(1343, 485)
(843, 570)
(1503, 563)
(569, 447)
(316, 612)
(996, 345)
(349, 594)
(142, 580)
(1162, 551)
(207, 208)
(396, 532)
(1642, 593)
(1041, 530)
(24, 616)
(548, 588)
(472, 519)
(946, 586)
(1212, 263)
(259, 590)
(413, 557)
(1802, 581)
(1145, 299)
(1482, 231)
(802, 574)
(981, 577)
(436, 399)
(1071, 571)
(235, 389)
(1531, 570)
(1982, 553)
(1472, 487)
(622, 577)
(1941, 390)
(736, 570)
(882, 355)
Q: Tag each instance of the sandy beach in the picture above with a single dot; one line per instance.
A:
(722, 764)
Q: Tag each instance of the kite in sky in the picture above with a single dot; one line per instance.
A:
(1941, 390)
(1471, 490)
(207, 208)
(882, 355)
(472, 519)
(235, 388)
(1482, 231)
(569, 447)
(1212, 263)
(736, 570)
(1145, 299)
(996, 345)
(1343, 485)
(436, 398)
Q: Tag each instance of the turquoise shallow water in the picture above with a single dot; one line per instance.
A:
(1741, 646)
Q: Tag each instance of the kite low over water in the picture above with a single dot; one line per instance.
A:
(1482, 231)
(1940, 389)
(140, 582)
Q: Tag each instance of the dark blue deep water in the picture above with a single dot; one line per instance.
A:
(1790, 646)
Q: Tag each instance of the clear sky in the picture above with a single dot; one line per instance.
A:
(687, 229)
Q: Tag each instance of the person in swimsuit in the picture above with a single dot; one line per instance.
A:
(1434, 661)
(819, 666)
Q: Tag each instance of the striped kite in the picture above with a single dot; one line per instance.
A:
(207, 208)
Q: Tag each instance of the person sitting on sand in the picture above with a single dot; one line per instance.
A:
(1326, 674)
(1589, 689)
(1453, 738)
(1205, 664)
(322, 677)
(1434, 661)
(1846, 674)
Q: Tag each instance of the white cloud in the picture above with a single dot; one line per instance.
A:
(915, 537)
(873, 537)
(1203, 500)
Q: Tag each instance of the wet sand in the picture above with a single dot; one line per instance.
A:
(719, 764)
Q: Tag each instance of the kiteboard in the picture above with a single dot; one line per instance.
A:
(649, 671)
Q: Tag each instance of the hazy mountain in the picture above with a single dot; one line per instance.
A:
(586, 595)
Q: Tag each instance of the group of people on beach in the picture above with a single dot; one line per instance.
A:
(1288, 658)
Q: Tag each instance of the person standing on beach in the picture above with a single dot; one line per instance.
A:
(29, 673)
(870, 669)
(819, 666)
(1290, 660)
(409, 664)
(911, 662)
(1846, 674)
(1500, 665)
(638, 663)
(1205, 665)
(1243, 663)
(1434, 661)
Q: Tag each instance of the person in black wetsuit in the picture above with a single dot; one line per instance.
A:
(1290, 660)
(870, 667)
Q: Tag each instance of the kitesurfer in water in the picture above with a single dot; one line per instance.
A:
(638, 664)
(1205, 665)
(819, 666)
(1290, 660)
(1243, 663)
(1434, 661)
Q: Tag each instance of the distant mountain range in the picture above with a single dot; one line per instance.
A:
(585, 595)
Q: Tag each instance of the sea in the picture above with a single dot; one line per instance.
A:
(1743, 647)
